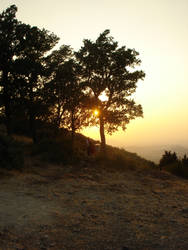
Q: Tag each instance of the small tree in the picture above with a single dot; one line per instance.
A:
(76, 116)
(185, 161)
(110, 70)
(66, 92)
(56, 83)
(168, 158)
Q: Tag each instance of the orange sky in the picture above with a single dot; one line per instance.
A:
(157, 29)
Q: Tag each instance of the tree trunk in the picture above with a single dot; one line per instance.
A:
(58, 122)
(72, 131)
(32, 125)
(102, 135)
(8, 119)
(72, 140)
(7, 104)
(32, 116)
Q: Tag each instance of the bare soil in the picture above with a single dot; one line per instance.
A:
(59, 207)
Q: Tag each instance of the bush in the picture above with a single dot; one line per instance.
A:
(177, 169)
(185, 161)
(168, 158)
(172, 164)
(54, 150)
(11, 153)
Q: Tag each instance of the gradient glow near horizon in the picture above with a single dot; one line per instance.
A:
(157, 29)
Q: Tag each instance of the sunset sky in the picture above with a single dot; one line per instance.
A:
(157, 29)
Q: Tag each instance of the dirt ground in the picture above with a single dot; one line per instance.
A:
(56, 207)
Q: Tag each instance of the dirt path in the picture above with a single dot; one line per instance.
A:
(57, 209)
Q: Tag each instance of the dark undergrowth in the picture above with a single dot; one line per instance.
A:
(56, 148)
(173, 164)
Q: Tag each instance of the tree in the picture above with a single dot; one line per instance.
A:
(110, 70)
(168, 158)
(185, 161)
(76, 115)
(22, 65)
(8, 44)
(56, 83)
(65, 91)
(30, 70)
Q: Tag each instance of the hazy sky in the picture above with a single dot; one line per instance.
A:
(157, 29)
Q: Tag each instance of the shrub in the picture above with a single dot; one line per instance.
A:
(185, 161)
(172, 164)
(54, 150)
(168, 158)
(11, 153)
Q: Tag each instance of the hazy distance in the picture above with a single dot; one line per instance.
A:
(154, 153)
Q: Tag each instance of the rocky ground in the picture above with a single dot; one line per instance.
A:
(56, 207)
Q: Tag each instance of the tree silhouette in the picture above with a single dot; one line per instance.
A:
(185, 161)
(76, 115)
(168, 158)
(8, 49)
(109, 69)
(65, 91)
(22, 65)
(41, 43)
(56, 83)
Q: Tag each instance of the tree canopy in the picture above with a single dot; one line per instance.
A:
(63, 87)
(110, 70)
(22, 65)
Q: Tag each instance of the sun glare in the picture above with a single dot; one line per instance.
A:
(96, 112)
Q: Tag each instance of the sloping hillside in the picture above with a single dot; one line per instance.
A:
(89, 207)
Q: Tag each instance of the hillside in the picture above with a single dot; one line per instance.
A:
(88, 206)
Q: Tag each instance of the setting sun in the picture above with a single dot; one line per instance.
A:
(96, 112)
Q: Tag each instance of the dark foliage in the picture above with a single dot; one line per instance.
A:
(57, 148)
(168, 158)
(22, 67)
(185, 161)
(111, 70)
(172, 164)
(53, 150)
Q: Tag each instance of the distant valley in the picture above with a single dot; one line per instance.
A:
(154, 153)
